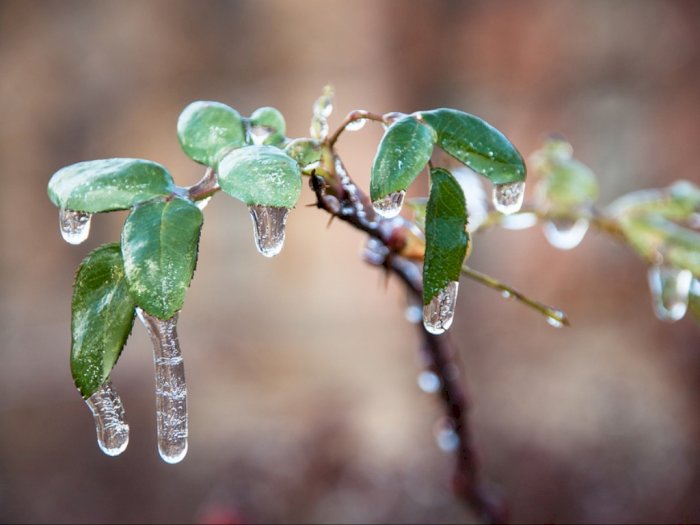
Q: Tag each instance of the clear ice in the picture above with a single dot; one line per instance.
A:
(508, 198)
(555, 317)
(565, 234)
(670, 288)
(268, 228)
(439, 313)
(390, 206)
(171, 389)
(110, 419)
(429, 382)
(74, 225)
(446, 436)
(356, 125)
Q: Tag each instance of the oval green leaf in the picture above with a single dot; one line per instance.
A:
(568, 184)
(446, 237)
(273, 120)
(207, 130)
(159, 247)
(304, 151)
(403, 152)
(477, 144)
(102, 317)
(261, 175)
(109, 184)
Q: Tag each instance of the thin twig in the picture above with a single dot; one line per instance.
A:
(206, 187)
(358, 114)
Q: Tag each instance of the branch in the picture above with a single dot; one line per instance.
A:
(352, 206)
(351, 117)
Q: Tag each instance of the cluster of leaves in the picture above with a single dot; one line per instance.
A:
(252, 160)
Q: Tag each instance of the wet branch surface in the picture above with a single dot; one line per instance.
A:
(344, 200)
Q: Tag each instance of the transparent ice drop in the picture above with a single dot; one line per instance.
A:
(439, 313)
(555, 317)
(356, 125)
(429, 382)
(171, 389)
(669, 288)
(110, 419)
(268, 228)
(565, 234)
(390, 206)
(508, 198)
(74, 225)
(446, 435)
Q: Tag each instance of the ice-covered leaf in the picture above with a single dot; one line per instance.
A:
(271, 121)
(477, 144)
(403, 152)
(207, 130)
(261, 175)
(304, 151)
(445, 234)
(159, 246)
(102, 317)
(108, 184)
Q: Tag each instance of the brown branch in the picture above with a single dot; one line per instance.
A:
(352, 206)
(206, 187)
(353, 116)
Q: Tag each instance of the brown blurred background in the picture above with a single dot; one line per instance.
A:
(301, 369)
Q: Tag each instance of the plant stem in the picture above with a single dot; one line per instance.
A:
(358, 114)
(206, 187)
(356, 210)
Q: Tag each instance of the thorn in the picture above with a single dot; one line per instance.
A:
(311, 205)
(330, 220)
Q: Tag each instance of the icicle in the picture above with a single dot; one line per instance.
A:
(439, 313)
(508, 198)
(390, 206)
(268, 228)
(565, 234)
(171, 390)
(110, 419)
(670, 288)
(74, 225)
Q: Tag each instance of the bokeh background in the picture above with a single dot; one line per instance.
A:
(302, 369)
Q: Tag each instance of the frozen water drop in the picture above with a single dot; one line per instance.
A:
(446, 436)
(506, 294)
(323, 107)
(319, 128)
(555, 318)
(375, 252)
(390, 206)
(268, 228)
(201, 204)
(429, 382)
(508, 198)
(565, 234)
(110, 419)
(519, 221)
(439, 313)
(670, 288)
(356, 125)
(414, 313)
(171, 389)
(74, 225)
(259, 134)
(390, 118)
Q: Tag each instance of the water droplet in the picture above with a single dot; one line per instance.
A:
(201, 204)
(356, 125)
(259, 134)
(439, 313)
(110, 419)
(323, 107)
(268, 227)
(319, 128)
(508, 198)
(445, 435)
(669, 291)
(519, 221)
(171, 389)
(565, 234)
(429, 382)
(74, 225)
(390, 206)
(555, 317)
(506, 294)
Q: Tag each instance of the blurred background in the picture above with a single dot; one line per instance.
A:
(302, 369)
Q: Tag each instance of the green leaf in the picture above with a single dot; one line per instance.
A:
(568, 184)
(694, 301)
(159, 246)
(273, 121)
(207, 130)
(446, 238)
(109, 184)
(304, 151)
(477, 144)
(261, 175)
(102, 317)
(403, 152)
